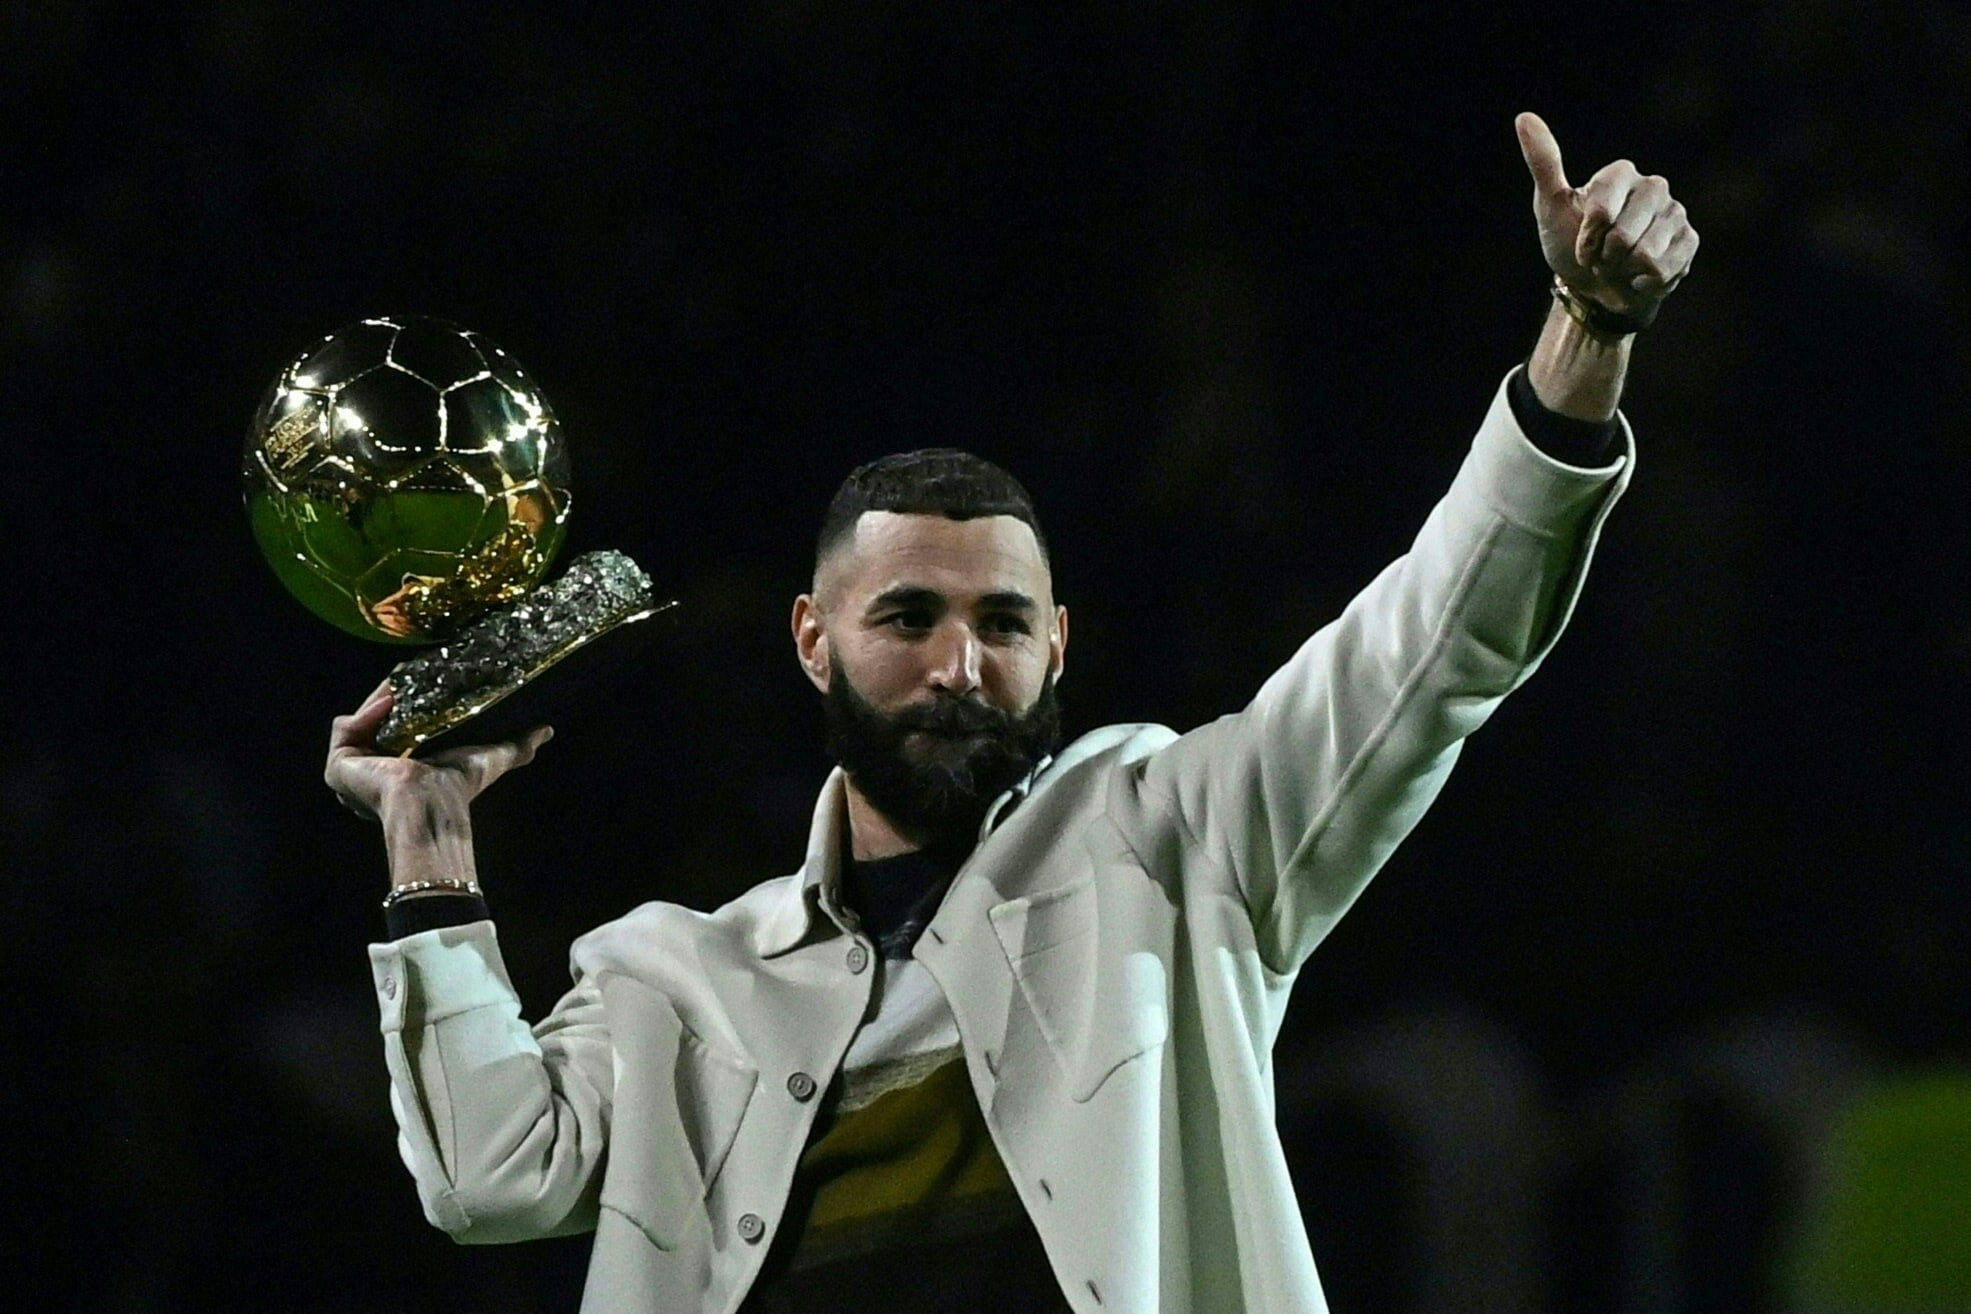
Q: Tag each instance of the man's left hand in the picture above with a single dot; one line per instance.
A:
(1620, 239)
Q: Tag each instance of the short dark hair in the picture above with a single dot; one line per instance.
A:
(938, 481)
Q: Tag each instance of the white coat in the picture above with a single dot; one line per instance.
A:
(1117, 953)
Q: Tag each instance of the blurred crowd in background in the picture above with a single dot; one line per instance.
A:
(1228, 287)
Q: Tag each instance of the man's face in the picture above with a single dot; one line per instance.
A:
(947, 636)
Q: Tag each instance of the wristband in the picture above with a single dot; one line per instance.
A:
(434, 913)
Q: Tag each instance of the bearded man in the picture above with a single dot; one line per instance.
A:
(1005, 1036)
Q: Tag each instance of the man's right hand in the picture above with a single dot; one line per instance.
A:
(373, 784)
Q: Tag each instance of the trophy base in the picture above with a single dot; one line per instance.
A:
(495, 656)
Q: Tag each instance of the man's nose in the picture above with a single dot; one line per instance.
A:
(955, 668)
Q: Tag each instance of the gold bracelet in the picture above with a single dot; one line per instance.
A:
(418, 887)
(1601, 323)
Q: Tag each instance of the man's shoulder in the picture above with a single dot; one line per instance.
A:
(1090, 760)
(1114, 745)
(659, 937)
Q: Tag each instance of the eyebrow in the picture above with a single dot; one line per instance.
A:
(911, 595)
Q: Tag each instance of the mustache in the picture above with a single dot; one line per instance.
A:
(950, 717)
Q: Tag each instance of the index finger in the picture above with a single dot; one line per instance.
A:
(356, 731)
(1542, 154)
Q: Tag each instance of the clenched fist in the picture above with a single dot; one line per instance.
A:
(1620, 239)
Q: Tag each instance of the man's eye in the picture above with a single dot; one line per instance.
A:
(911, 620)
(1008, 625)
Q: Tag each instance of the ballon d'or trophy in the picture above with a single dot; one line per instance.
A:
(408, 483)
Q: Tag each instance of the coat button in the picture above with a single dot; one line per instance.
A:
(801, 1086)
(858, 958)
(751, 1227)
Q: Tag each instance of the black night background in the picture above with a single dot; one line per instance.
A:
(1228, 287)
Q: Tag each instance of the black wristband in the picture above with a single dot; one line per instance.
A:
(430, 912)
(1586, 444)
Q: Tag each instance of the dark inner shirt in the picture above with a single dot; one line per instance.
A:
(895, 898)
(950, 1233)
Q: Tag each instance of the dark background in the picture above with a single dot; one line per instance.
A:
(1228, 287)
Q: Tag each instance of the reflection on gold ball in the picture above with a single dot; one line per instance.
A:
(403, 476)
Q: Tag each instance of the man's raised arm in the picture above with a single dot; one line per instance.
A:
(1296, 801)
(501, 1124)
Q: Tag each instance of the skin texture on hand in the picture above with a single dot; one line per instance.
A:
(424, 805)
(1621, 241)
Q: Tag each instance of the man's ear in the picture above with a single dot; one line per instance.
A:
(811, 641)
(1058, 643)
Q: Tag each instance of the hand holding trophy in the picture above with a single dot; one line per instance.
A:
(407, 483)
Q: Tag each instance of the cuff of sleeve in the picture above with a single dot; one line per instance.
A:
(1583, 444)
(439, 973)
(1531, 488)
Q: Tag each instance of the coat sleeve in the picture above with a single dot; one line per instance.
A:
(503, 1126)
(1297, 800)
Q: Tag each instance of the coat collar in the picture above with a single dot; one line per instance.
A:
(798, 908)
(811, 902)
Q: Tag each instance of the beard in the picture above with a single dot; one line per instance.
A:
(933, 768)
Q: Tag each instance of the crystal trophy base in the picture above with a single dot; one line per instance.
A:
(494, 656)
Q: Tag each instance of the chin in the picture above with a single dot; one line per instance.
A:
(942, 751)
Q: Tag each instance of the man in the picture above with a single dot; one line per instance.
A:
(1005, 1036)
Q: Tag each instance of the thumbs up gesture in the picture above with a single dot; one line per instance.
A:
(1620, 239)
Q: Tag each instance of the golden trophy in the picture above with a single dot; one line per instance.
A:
(408, 483)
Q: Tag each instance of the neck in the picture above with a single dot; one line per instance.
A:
(871, 834)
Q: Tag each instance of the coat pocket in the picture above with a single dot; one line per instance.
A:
(1098, 999)
(678, 1109)
(714, 1091)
